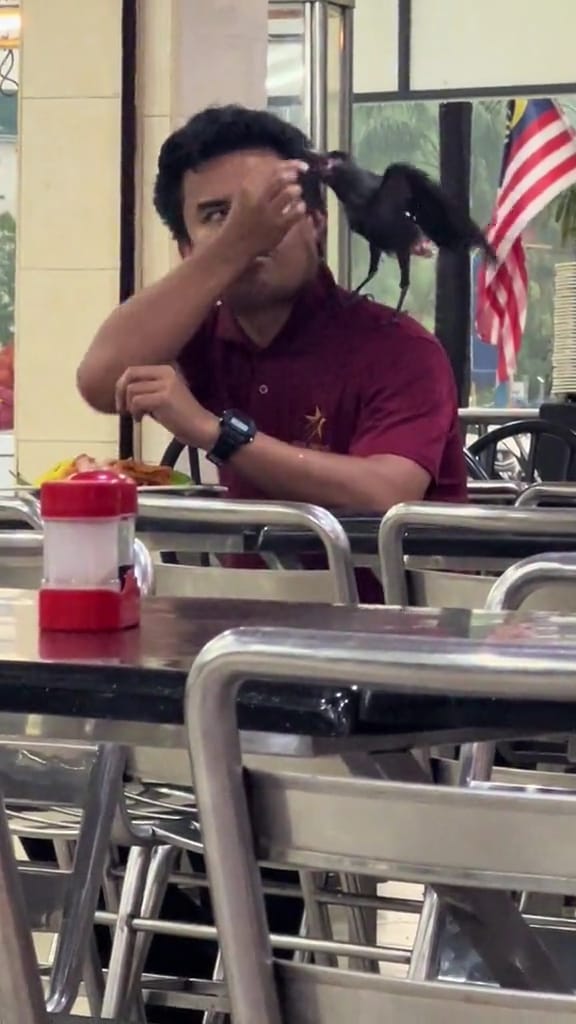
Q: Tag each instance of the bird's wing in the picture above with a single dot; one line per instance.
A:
(440, 217)
(392, 195)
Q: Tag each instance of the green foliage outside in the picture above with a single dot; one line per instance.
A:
(387, 132)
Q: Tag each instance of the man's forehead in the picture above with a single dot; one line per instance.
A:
(221, 175)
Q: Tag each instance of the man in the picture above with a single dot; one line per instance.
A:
(295, 388)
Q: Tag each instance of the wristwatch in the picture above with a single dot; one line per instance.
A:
(236, 430)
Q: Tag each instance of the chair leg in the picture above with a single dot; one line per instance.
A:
(92, 845)
(424, 949)
(115, 991)
(161, 864)
(475, 763)
(362, 921)
(21, 995)
(216, 1016)
(93, 977)
(316, 921)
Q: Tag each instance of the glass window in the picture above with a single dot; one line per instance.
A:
(286, 76)
(389, 132)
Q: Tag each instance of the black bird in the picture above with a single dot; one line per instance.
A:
(394, 210)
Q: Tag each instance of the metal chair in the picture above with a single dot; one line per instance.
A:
(434, 586)
(463, 841)
(20, 507)
(548, 441)
(547, 576)
(543, 577)
(337, 584)
(163, 523)
(562, 494)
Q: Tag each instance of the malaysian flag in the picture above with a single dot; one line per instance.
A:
(538, 163)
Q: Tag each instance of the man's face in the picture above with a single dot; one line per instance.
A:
(208, 194)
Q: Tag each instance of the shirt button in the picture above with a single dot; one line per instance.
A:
(263, 389)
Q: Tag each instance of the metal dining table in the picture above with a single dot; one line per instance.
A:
(128, 687)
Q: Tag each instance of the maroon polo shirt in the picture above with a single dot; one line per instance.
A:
(344, 375)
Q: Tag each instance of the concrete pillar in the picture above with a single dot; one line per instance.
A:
(68, 221)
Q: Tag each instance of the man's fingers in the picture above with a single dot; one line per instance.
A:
(139, 406)
(148, 377)
(137, 373)
(142, 387)
(142, 397)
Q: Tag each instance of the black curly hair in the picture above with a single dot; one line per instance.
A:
(215, 132)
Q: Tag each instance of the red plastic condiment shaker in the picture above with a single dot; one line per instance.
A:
(89, 582)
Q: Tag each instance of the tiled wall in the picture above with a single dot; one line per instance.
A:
(68, 220)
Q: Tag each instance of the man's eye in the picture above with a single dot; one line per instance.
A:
(214, 216)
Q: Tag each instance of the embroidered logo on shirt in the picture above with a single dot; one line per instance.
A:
(314, 433)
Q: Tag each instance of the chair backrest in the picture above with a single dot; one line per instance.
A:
(494, 492)
(336, 585)
(175, 450)
(547, 442)
(542, 582)
(555, 494)
(262, 584)
(434, 588)
(474, 469)
(463, 838)
(21, 559)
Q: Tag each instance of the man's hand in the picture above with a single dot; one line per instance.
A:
(267, 205)
(161, 392)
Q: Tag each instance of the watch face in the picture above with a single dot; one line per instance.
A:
(240, 425)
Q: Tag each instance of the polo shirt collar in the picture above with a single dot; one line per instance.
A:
(310, 302)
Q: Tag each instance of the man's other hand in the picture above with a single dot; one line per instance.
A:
(162, 393)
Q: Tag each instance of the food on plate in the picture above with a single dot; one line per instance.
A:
(144, 474)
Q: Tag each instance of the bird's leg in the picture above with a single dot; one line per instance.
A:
(404, 264)
(375, 255)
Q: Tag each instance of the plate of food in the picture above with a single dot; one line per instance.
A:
(149, 477)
